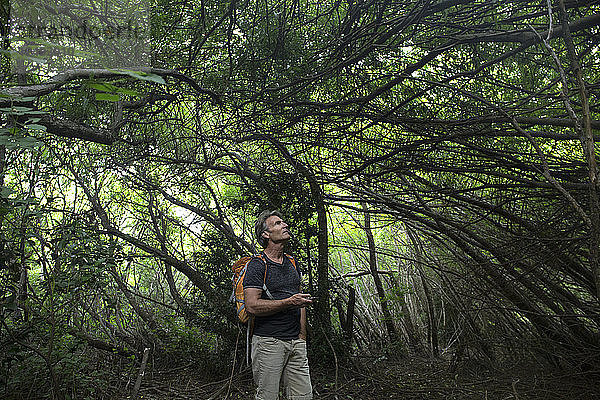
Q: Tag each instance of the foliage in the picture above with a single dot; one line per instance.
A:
(463, 132)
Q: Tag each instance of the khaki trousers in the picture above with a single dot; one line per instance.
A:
(285, 361)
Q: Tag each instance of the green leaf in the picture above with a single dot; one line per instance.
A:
(129, 92)
(36, 112)
(103, 86)
(9, 303)
(20, 110)
(6, 191)
(145, 76)
(16, 110)
(110, 88)
(17, 55)
(28, 142)
(16, 97)
(8, 142)
(15, 142)
(107, 97)
(36, 127)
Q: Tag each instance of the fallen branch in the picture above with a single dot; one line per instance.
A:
(138, 382)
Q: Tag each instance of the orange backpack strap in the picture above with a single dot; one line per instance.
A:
(292, 260)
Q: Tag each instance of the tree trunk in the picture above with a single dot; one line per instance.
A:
(432, 329)
(587, 140)
(159, 226)
(323, 305)
(387, 317)
(349, 326)
(414, 343)
(156, 330)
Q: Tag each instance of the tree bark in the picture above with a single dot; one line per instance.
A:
(414, 342)
(587, 140)
(141, 373)
(159, 229)
(349, 326)
(155, 329)
(432, 328)
(387, 317)
(5, 59)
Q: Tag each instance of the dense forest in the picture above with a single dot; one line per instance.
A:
(435, 161)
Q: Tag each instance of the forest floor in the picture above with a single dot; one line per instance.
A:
(400, 379)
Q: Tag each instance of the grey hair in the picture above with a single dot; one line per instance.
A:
(261, 225)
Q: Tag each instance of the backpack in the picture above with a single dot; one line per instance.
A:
(239, 271)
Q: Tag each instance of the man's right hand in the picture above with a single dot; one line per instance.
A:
(299, 300)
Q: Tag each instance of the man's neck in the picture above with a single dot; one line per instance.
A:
(274, 251)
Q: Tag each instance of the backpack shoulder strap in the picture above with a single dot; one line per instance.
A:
(265, 288)
(292, 260)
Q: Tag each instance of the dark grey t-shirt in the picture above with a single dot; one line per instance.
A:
(282, 281)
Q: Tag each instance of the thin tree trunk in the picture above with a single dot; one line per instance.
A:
(461, 309)
(432, 328)
(350, 316)
(587, 140)
(347, 316)
(308, 266)
(5, 59)
(414, 343)
(387, 317)
(323, 305)
(432, 334)
(5, 71)
(158, 224)
(25, 224)
(155, 328)
(141, 373)
(372, 328)
(349, 326)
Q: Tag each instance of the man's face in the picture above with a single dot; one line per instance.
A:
(277, 230)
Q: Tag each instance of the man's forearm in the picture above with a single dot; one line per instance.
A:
(263, 308)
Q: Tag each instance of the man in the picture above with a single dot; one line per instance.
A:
(273, 296)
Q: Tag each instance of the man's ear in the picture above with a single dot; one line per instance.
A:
(265, 235)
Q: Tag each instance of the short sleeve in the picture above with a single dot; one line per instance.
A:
(255, 274)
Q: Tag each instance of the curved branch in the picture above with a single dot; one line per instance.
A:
(70, 129)
(14, 93)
